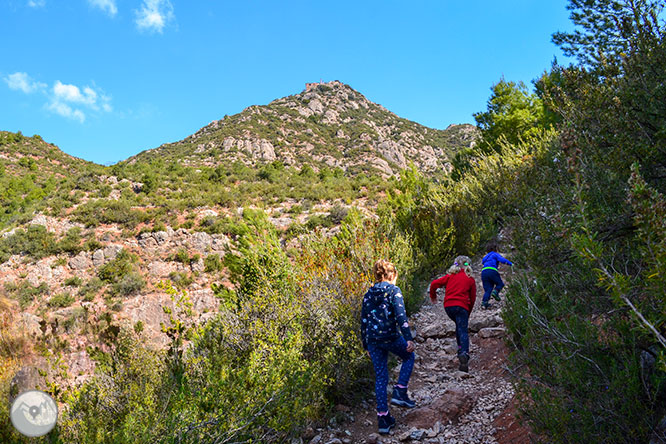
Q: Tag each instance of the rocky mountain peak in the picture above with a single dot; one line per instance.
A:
(328, 124)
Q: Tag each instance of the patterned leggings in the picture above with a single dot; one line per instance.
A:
(379, 356)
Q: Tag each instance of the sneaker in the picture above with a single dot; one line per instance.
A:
(385, 423)
(486, 305)
(400, 398)
(464, 360)
(495, 295)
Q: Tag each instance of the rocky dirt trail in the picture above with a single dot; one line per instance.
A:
(452, 407)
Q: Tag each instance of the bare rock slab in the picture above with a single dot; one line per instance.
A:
(448, 407)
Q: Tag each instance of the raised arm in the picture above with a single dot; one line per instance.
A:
(437, 283)
(503, 260)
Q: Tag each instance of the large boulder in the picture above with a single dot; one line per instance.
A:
(81, 261)
(492, 332)
(482, 321)
(448, 407)
(201, 241)
(41, 272)
(439, 330)
(106, 254)
(27, 378)
(161, 269)
(146, 240)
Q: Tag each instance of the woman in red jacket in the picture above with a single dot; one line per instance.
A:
(459, 298)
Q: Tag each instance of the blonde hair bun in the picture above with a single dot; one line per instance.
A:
(461, 263)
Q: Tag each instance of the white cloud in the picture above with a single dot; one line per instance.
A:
(70, 101)
(154, 15)
(22, 81)
(36, 3)
(66, 100)
(67, 111)
(72, 93)
(109, 6)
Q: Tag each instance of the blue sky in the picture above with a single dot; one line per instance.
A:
(106, 79)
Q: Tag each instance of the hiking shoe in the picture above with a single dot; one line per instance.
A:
(400, 398)
(385, 423)
(495, 295)
(486, 305)
(464, 360)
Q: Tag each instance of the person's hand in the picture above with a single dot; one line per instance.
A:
(410, 346)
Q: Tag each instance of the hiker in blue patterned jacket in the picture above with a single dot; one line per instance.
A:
(490, 277)
(384, 328)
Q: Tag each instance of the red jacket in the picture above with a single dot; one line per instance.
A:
(460, 290)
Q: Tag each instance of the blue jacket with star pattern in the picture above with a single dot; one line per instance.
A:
(383, 315)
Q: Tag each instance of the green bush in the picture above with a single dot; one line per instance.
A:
(337, 214)
(184, 257)
(212, 263)
(34, 242)
(121, 273)
(128, 401)
(91, 288)
(101, 211)
(71, 242)
(128, 284)
(182, 280)
(318, 220)
(73, 281)
(25, 293)
(60, 300)
(92, 245)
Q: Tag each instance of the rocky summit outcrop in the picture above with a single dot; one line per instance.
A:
(453, 407)
(326, 125)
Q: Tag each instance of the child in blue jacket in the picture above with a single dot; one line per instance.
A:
(490, 277)
(384, 329)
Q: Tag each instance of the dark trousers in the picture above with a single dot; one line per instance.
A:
(379, 355)
(491, 281)
(461, 317)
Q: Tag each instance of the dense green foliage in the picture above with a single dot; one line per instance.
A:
(35, 242)
(121, 274)
(607, 29)
(513, 115)
(589, 319)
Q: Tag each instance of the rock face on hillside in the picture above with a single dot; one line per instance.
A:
(327, 124)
